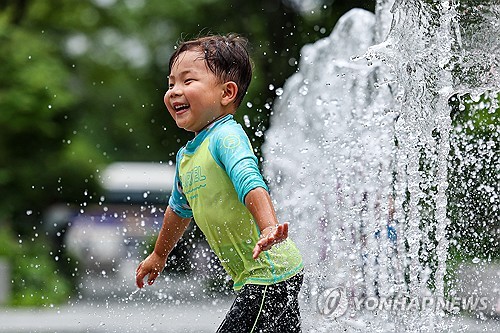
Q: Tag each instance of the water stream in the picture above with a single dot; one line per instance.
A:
(358, 156)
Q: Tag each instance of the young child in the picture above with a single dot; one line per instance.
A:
(219, 184)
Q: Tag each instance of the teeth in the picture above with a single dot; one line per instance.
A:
(181, 106)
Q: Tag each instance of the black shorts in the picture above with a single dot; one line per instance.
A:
(263, 309)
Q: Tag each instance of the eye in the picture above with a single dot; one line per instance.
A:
(187, 81)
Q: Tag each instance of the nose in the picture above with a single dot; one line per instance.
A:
(174, 91)
(171, 93)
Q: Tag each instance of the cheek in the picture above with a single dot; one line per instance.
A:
(166, 98)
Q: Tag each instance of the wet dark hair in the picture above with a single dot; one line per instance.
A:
(225, 56)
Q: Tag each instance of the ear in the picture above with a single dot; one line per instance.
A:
(230, 89)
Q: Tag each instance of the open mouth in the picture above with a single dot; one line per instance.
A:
(181, 107)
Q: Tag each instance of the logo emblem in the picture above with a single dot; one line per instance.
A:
(332, 302)
(231, 141)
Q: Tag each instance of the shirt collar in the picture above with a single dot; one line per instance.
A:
(191, 145)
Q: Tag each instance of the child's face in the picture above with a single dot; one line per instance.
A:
(194, 94)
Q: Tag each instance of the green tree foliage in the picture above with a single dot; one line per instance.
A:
(473, 193)
(35, 275)
(34, 103)
(82, 85)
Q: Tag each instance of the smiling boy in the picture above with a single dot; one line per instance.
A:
(219, 184)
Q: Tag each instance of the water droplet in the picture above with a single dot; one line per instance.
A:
(246, 120)
(303, 90)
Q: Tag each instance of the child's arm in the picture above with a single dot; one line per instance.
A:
(171, 231)
(261, 207)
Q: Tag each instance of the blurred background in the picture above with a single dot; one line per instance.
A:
(81, 87)
(82, 118)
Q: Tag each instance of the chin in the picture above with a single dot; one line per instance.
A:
(186, 127)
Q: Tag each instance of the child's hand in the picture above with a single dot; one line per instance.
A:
(152, 265)
(269, 237)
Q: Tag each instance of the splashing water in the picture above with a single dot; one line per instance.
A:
(357, 155)
(131, 295)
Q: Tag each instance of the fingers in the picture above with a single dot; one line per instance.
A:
(285, 230)
(262, 245)
(142, 271)
(139, 277)
(152, 276)
(277, 235)
(280, 234)
(269, 240)
(266, 242)
(256, 251)
(138, 268)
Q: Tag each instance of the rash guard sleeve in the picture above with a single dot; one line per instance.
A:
(233, 152)
(178, 201)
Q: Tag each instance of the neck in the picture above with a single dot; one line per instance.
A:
(210, 123)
